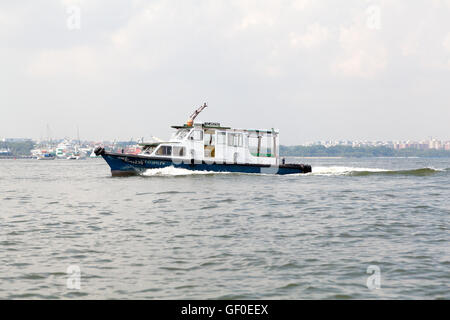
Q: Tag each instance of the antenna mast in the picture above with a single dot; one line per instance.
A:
(194, 115)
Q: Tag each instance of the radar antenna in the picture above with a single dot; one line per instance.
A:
(194, 115)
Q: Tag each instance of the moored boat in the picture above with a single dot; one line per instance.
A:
(46, 156)
(75, 156)
(207, 146)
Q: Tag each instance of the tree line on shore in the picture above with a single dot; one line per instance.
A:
(24, 148)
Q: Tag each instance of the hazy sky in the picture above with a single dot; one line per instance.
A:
(314, 69)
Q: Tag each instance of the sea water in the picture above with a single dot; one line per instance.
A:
(370, 228)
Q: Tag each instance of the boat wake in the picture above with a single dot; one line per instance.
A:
(316, 171)
(172, 171)
(351, 171)
(337, 171)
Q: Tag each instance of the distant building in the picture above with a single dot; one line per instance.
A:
(447, 146)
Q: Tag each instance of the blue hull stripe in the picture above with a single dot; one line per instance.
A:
(123, 164)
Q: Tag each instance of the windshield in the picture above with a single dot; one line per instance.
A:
(181, 134)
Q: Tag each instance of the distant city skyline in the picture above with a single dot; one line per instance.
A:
(169, 132)
(375, 70)
(423, 144)
(395, 144)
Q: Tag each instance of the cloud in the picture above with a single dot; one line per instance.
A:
(256, 19)
(298, 55)
(362, 53)
(446, 42)
(314, 36)
(127, 47)
(301, 4)
(95, 63)
(446, 45)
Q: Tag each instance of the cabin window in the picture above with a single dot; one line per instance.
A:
(149, 149)
(179, 151)
(260, 144)
(197, 135)
(164, 151)
(235, 139)
(268, 141)
(253, 144)
(221, 137)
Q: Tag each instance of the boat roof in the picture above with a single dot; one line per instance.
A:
(206, 125)
(216, 125)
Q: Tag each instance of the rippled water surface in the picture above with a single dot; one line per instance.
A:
(171, 234)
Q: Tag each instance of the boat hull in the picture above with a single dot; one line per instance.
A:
(129, 164)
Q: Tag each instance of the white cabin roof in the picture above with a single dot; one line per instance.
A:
(216, 125)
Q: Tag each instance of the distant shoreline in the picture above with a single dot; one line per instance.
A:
(15, 157)
(22, 150)
(336, 152)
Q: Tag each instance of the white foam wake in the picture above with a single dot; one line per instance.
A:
(172, 171)
(336, 170)
(320, 171)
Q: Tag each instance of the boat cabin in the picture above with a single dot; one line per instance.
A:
(211, 142)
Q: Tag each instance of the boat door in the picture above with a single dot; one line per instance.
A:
(221, 145)
(209, 136)
(196, 137)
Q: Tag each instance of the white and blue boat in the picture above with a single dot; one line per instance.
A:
(207, 146)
